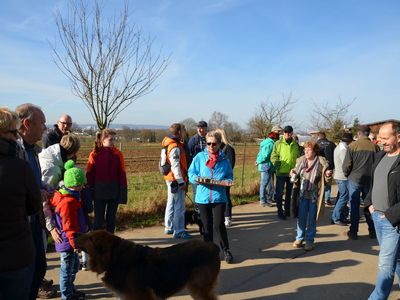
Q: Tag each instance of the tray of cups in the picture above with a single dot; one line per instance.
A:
(210, 181)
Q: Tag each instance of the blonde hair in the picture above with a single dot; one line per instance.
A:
(8, 120)
(224, 136)
(100, 136)
(214, 134)
(70, 142)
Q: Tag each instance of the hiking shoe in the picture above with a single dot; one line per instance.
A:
(297, 244)
(169, 231)
(228, 222)
(182, 235)
(351, 235)
(340, 223)
(46, 293)
(47, 283)
(270, 203)
(309, 246)
(228, 256)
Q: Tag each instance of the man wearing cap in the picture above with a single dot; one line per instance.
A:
(357, 166)
(60, 129)
(197, 143)
(283, 157)
(340, 212)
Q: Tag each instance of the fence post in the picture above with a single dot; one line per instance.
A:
(244, 160)
(120, 146)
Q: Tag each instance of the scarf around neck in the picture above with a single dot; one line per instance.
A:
(212, 160)
(310, 174)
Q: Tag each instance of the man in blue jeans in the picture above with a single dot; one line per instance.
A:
(383, 202)
(283, 157)
(357, 167)
(340, 211)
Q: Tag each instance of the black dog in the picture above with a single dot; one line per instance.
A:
(192, 216)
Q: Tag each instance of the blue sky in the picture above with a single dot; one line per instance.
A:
(226, 56)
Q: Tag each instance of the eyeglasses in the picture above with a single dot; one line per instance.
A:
(212, 144)
(65, 123)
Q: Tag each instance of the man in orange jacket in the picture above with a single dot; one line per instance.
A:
(176, 181)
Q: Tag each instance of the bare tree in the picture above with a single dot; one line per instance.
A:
(331, 119)
(218, 120)
(269, 114)
(108, 62)
(190, 125)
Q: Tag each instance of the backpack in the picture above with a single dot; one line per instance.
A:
(164, 165)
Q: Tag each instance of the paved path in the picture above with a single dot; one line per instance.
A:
(266, 266)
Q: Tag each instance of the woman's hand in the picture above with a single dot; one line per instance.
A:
(56, 235)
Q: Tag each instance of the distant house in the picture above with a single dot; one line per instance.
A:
(376, 125)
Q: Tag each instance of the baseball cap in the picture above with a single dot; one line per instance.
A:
(288, 128)
(202, 124)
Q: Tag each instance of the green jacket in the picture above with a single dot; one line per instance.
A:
(284, 156)
(264, 156)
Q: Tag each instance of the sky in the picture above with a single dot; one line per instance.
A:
(226, 56)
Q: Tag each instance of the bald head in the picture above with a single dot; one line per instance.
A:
(64, 123)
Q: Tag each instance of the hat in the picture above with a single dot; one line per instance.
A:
(276, 128)
(288, 128)
(202, 124)
(347, 137)
(73, 176)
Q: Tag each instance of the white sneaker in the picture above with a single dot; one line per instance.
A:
(228, 222)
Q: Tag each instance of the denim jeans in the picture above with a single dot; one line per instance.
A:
(68, 269)
(340, 211)
(266, 187)
(355, 189)
(388, 239)
(306, 220)
(328, 189)
(280, 183)
(16, 284)
(109, 209)
(175, 210)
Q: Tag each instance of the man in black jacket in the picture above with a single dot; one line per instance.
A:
(383, 202)
(60, 129)
(326, 149)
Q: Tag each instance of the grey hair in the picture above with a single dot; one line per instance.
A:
(216, 135)
(26, 111)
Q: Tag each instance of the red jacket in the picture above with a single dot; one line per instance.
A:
(106, 176)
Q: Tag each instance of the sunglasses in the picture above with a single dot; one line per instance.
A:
(212, 144)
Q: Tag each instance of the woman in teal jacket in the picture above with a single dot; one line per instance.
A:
(211, 199)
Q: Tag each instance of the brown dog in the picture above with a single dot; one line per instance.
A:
(139, 272)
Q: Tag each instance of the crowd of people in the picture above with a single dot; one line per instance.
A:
(44, 192)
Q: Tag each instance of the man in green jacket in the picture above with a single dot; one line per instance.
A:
(283, 157)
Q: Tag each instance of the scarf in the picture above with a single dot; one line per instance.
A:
(310, 175)
(212, 160)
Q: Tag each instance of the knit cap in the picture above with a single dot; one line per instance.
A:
(73, 176)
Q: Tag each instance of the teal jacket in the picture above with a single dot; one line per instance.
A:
(284, 156)
(264, 156)
(222, 170)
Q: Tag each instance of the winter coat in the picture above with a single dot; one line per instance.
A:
(230, 154)
(176, 158)
(326, 149)
(20, 197)
(359, 159)
(52, 137)
(69, 217)
(196, 145)
(264, 156)
(393, 212)
(284, 156)
(106, 176)
(222, 170)
(52, 165)
(295, 198)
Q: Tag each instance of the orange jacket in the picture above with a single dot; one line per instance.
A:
(172, 142)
